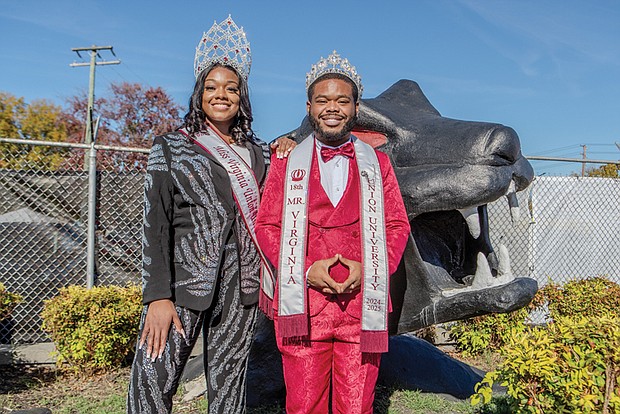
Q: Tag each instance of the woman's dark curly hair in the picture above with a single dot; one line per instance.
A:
(195, 119)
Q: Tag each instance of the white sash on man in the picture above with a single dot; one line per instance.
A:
(292, 316)
(245, 188)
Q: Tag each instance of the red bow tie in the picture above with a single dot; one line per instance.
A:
(346, 150)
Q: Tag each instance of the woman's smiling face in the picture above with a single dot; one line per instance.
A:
(220, 98)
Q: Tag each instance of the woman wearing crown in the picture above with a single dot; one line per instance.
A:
(200, 261)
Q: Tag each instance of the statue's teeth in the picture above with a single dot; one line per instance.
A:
(504, 274)
(513, 203)
(483, 277)
(472, 219)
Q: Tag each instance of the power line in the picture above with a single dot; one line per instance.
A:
(582, 160)
(136, 74)
(575, 146)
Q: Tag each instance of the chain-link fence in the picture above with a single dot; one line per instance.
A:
(44, 225)
(569, 227)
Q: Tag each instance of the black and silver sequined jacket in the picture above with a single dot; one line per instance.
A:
(191, 224)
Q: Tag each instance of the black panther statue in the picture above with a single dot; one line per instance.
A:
(448, 170)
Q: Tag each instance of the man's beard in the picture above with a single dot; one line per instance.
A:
(336, 135)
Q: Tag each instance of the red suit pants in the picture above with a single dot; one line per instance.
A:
(329, 357)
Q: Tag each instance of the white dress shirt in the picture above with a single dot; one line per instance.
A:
(334, 173)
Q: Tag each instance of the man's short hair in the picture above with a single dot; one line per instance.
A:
(333, 76)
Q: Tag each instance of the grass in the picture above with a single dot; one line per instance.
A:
(69, 399)
(25, 387)
(81, 404)
(486, 361)
(415, 402)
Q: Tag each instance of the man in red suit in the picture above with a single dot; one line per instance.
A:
(333, 223)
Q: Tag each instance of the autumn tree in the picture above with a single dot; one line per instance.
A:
(607, 171)
(138, 114)
(11, 109)
(40, 120)
(75, 120)
(132, 115)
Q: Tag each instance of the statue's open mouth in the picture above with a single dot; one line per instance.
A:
(458, 242)
(451, 271)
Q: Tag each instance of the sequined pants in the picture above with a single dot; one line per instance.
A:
(329, 361)
(227, 327)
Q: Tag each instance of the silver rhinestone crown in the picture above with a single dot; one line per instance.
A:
(334, 64)
(224, 43)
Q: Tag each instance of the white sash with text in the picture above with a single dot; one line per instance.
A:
(244, 186)
(291, 280)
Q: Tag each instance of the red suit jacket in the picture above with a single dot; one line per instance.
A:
(332, 230)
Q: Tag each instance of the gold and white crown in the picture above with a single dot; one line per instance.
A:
(224, 43)
(334, 64)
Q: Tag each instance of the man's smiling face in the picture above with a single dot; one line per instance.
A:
(332, 111)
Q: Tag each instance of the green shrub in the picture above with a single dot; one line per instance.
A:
(475, 335)
(571, 366)
(93, 329)
(591, 297)
(8, 301)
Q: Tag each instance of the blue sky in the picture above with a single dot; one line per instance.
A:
(548, 69)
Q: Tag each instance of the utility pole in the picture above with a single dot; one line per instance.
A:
(583, 164)
(94, 52)
(90, 158)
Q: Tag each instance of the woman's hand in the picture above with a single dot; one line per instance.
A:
(282, 146)
(159, 316)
